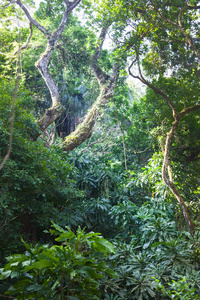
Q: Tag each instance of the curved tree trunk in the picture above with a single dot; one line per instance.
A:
(84, 130)
(167, 175)
(107, 85)
(168, 178)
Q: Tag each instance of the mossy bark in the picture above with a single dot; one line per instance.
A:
(84, 130)
(107, 85)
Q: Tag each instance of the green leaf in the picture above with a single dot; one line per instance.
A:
(103, 246)
(41, 264)
(4, 274)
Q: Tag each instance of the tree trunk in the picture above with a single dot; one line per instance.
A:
(107, 85)
(52, 113)
(84, 130)
(168, 179)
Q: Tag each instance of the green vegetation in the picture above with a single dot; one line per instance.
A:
(99, 176)
(70, 270)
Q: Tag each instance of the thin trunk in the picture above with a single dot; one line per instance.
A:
(166, 169)
(123, 140)
(168, 179)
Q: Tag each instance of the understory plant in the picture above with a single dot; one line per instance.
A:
(157, 259)
(71, 270)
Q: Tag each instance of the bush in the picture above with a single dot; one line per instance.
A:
(72, 269)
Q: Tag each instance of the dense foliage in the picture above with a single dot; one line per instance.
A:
(128, 195)
(70, 270)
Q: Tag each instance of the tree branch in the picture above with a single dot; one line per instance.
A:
(188, 38)
(33, 21)
(96, 142)
(69, 7)
(155, 89)
(193, 7)
(8, 297)
(25, 45)
(179, 26)
(166, 168)
(100, 75)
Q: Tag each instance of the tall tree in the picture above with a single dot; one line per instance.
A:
(106, 82)
(42, 64)
(162, 40)
(171, 29)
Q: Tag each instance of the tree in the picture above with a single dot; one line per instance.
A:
(160, 33)
(162, 36)
(42, 64)
(106, 82)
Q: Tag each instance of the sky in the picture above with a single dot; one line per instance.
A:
(37, 2)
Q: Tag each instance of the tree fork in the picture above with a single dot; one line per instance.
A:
(107, 83)
(56, 109)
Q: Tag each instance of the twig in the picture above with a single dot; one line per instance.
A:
(96, 142)
(9, 297)
(25, 45)
(138, 152)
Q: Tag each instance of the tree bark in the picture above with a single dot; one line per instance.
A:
(84, 130)
(167, 178)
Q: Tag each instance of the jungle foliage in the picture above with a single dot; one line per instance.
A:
(118, 216)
